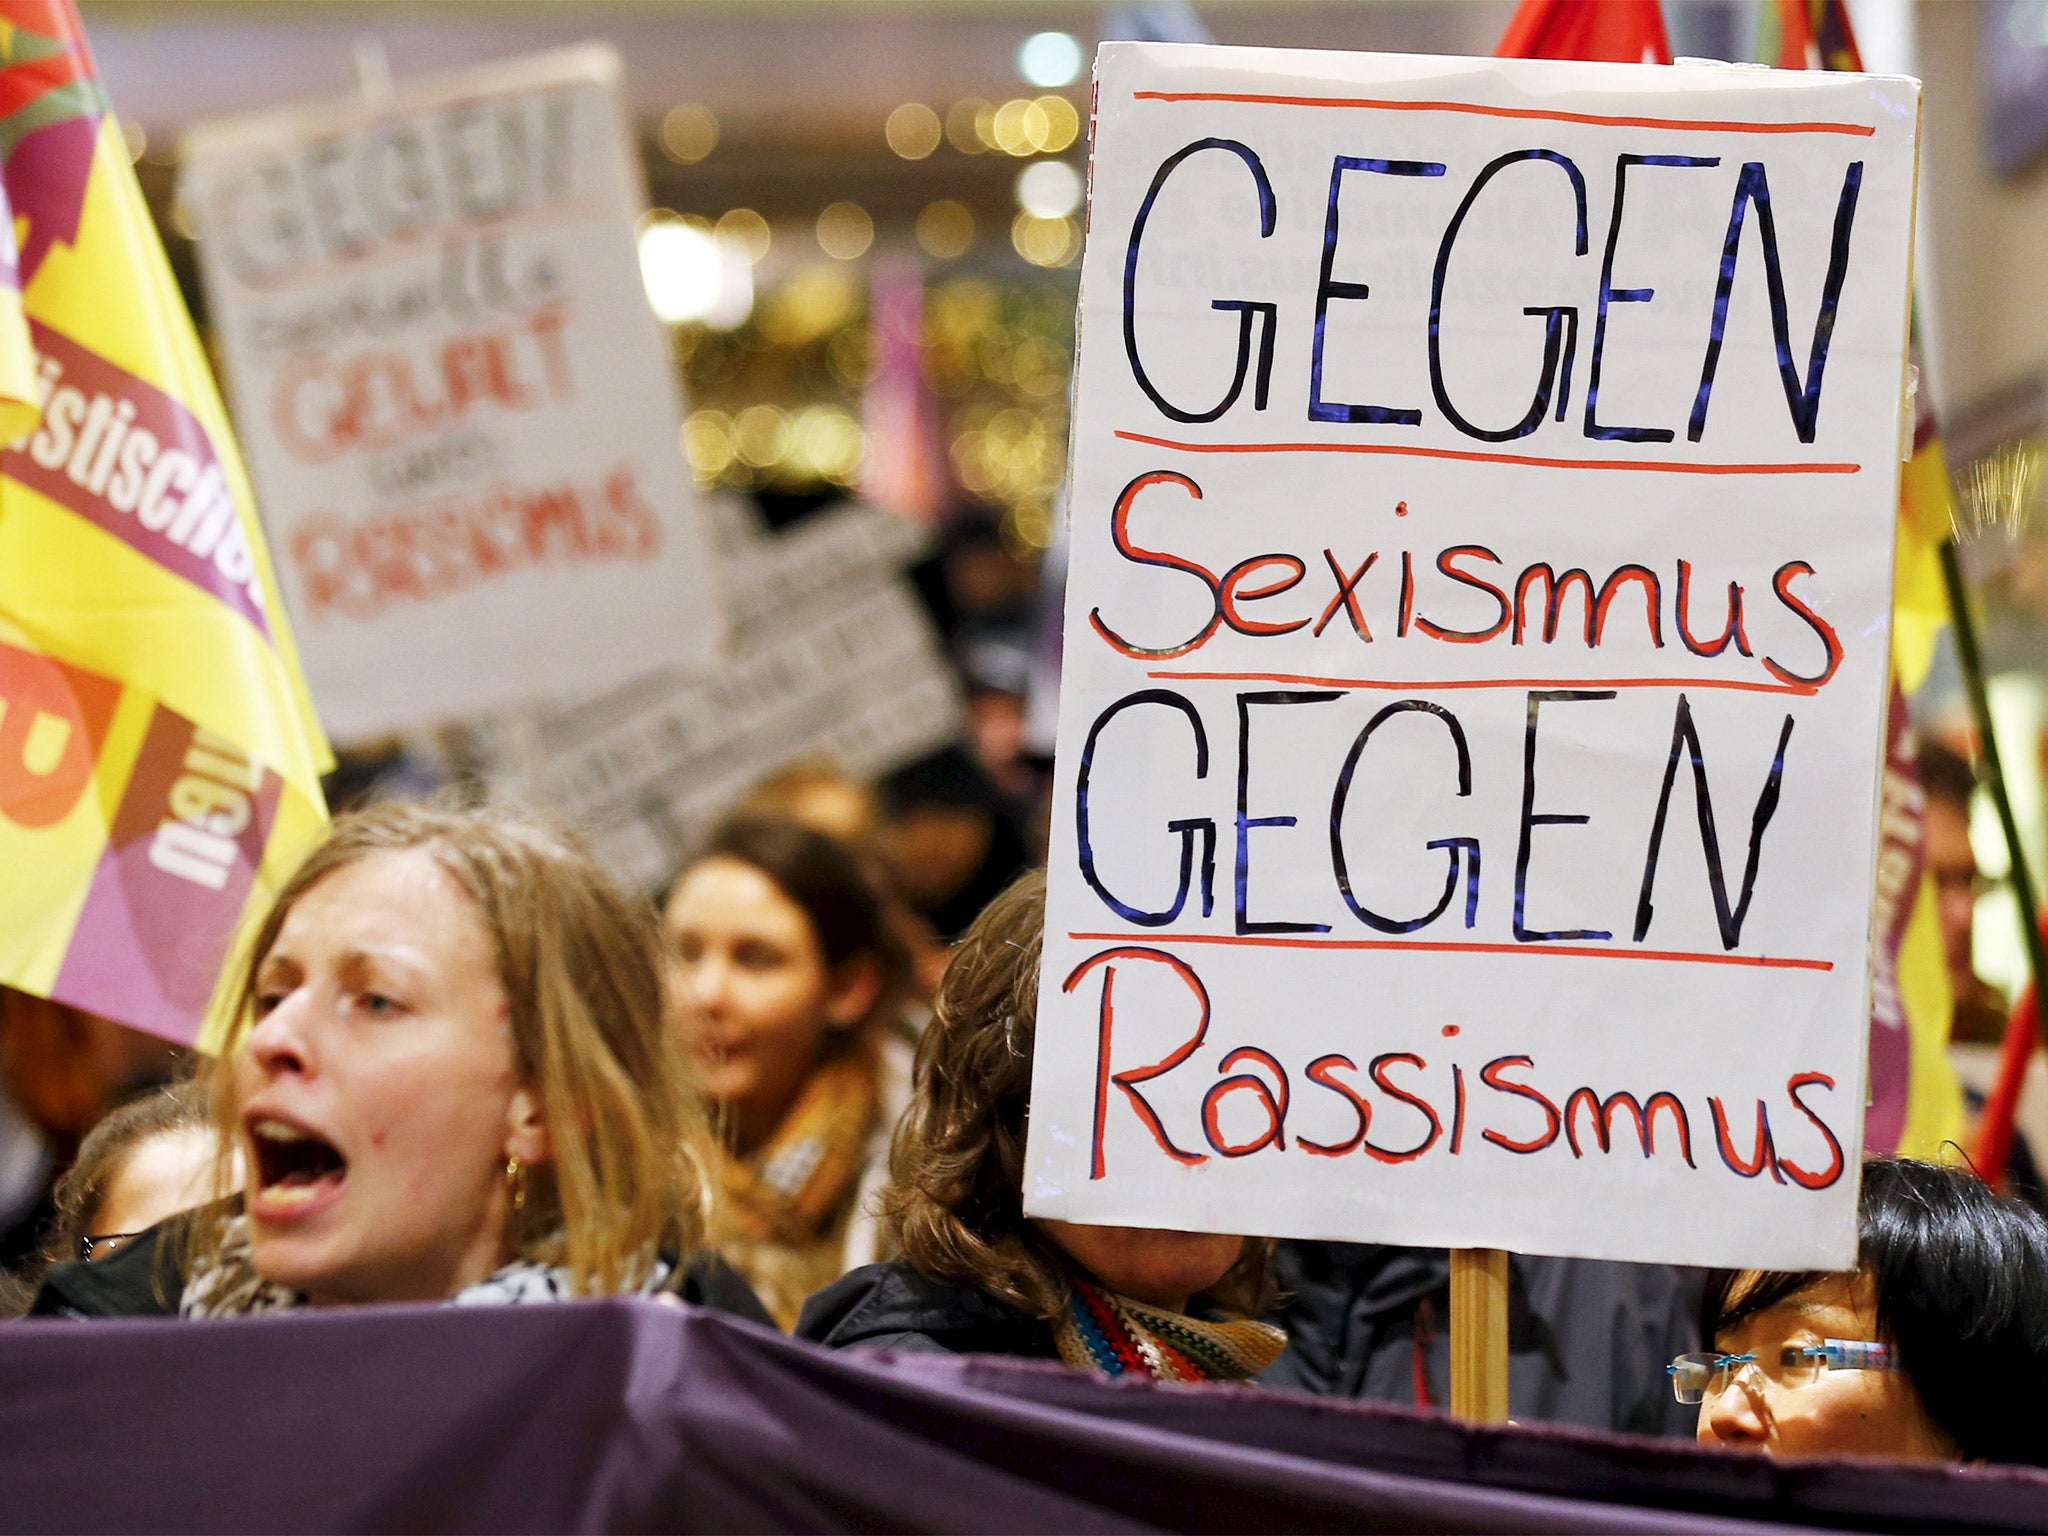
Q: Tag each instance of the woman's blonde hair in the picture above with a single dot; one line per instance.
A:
(578, 962)
(954, 1208)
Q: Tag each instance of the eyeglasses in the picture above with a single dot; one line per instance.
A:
(1695, 1378)
(101, 1243)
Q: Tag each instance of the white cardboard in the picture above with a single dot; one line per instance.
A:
(833, 659)
(459, 410)
(1252, 1044)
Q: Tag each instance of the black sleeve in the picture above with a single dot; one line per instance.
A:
(708, 1281)
(138, 1279)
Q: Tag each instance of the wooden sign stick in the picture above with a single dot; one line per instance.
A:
(1479, 1334)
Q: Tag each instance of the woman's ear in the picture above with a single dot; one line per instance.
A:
(856, 986)
(526, 1130)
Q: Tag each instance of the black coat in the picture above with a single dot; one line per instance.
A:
(1587, 1340)
(892, 1306)
(140, 1279)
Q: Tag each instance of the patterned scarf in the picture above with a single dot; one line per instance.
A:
(1110, 1334)
(227, 1285)
(782, 1221)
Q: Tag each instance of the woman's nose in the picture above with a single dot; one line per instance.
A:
(1734, 1416)
(278, 1043)
(709, 984)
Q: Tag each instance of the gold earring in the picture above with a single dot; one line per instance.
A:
(516, 1180)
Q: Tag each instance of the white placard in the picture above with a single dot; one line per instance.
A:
(460, 413)
(834, 659)
(1424, 442)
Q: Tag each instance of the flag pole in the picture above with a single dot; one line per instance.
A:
(1479, 1334)
(1994, 1136)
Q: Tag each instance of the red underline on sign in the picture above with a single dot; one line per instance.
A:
(1598, 120)
(1647, 466)
(1424, 685)
(1424, 946)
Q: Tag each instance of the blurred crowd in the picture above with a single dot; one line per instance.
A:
(463, 1065)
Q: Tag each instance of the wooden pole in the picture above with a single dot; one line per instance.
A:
(1479, 1334)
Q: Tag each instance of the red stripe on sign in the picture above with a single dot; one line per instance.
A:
(1451, 947)
(128, 458)
(181, 857)
(1474, 456)
(1539, 114)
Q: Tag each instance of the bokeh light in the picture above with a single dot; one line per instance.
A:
(689, 132)
(964, 122)
(689, 277)
(1049, 189)
(760, 435)
(1049, 59)
(845, 231)
(1045, 242)
(743, 233)
(945, 229)
(913, 130)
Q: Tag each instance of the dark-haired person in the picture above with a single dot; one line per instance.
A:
(784, 977)
(974, 1274)
(148, 1160)
(1935, 1347)
(61, 1069)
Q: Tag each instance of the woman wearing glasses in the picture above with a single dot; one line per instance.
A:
(1934, 1347)
(148, 1160)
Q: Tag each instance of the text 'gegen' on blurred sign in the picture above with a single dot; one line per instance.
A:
(460, 413)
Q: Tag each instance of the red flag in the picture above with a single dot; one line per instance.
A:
(1619, 31)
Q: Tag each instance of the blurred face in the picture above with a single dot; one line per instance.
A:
(1869, 1413)
(1953, 868)
(160, 1176)
(1162, 1269)
(750, 993)
(379, 1092)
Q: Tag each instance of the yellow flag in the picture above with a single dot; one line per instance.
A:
(160, 760)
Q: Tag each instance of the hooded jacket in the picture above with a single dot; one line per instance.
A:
(1587, 1340)
(892, 1306)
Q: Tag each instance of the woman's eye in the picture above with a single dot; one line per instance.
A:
(377, 1003)
(758, 957)
(266, 1002)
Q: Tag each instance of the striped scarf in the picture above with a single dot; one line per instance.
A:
(782, 1222)
(1110, 1334)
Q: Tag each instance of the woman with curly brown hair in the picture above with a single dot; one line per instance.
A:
(975, 1275)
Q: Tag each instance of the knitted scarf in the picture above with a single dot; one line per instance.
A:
(1111, 1334)
(782, 1221)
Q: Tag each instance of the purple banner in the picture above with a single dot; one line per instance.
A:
(632, 1416)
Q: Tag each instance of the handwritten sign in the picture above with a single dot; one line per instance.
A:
(833, 658)
(1482, 509)
(459, 410)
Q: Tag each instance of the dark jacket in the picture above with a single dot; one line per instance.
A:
(140, 1279)
(892, 1306)
(1587, 1340)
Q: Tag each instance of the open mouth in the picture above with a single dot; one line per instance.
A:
(293, 1166)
